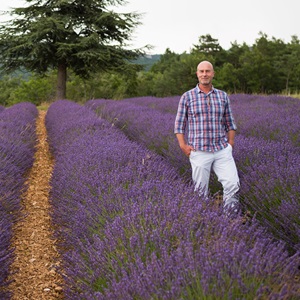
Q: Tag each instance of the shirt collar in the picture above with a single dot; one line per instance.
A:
(200, 91)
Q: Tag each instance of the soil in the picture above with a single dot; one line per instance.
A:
(34, 270)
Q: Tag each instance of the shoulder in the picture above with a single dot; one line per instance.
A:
(221, 94)
(190, 93)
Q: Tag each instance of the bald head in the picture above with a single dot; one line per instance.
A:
(205, 65)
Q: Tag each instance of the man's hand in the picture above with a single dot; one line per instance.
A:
(231, 135)
(231, 143)
(186, 149)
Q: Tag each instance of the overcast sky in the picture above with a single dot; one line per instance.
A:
(178, 24)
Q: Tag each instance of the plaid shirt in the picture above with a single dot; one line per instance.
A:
(208, 117)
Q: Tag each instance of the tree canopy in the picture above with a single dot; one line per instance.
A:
(83, 36)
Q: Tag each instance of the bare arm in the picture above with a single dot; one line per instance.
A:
(231, 135)
(186, 149)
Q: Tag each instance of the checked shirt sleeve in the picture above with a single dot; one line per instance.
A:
(181, 116)
(228, 120)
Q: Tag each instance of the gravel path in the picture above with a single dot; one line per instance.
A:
(34, 269)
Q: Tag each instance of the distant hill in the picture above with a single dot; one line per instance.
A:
(148, 61)
(21, 73)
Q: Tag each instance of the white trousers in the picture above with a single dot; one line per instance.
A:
(223, 164)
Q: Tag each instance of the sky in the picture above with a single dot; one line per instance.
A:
(178, 24)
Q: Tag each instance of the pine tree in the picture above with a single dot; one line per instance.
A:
(84, 36)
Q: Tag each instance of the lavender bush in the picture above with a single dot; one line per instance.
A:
(268, 162)
(130, 228)
(270, 117)
(17, 141)
(270, 184)
(166, 104)
(152, 128)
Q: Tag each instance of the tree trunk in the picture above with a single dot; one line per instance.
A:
(287, 84)
(61, 88)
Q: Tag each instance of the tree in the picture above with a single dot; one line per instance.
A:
(7, 86)
(290, 65)
(235, 52)
(83, 36)
(211, 47)
(260, 68)
(227, 78)
(267, 54)
(165, 61)
(207, 44)
(173, 74)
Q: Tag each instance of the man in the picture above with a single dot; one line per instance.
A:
(206, 112)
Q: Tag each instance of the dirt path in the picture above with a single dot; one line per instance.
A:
(35, 275)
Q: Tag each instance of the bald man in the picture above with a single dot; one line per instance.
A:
(207, 114)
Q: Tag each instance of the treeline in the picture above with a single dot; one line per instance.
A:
(269, 66)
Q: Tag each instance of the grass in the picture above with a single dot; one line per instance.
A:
(43, 106)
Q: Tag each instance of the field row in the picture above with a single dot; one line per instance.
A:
(17, 141)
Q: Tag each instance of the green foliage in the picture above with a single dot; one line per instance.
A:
(269, 66)
(171, 75)
(179, 77)
(227, 78)
(210, 46)
(36, 90)
(108, 85)
(165, 61)
(8, 85)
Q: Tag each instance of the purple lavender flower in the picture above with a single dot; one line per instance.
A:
(130, 227)
(17, 141)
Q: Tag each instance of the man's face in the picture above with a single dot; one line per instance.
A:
(205, 74)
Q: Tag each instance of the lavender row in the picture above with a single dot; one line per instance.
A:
(17, 141)
(274, 117)
(130, 228)
(152, 128)
(270, 117)
(166, 104)
(269, 170)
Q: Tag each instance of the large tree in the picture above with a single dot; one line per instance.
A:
(211, 47)
(82, 35)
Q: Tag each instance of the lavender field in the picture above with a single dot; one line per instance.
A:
(267, 151)
(130, 225)
(127, 221)
(17, 141)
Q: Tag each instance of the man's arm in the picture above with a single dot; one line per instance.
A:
(231, 135)
(186, 149)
